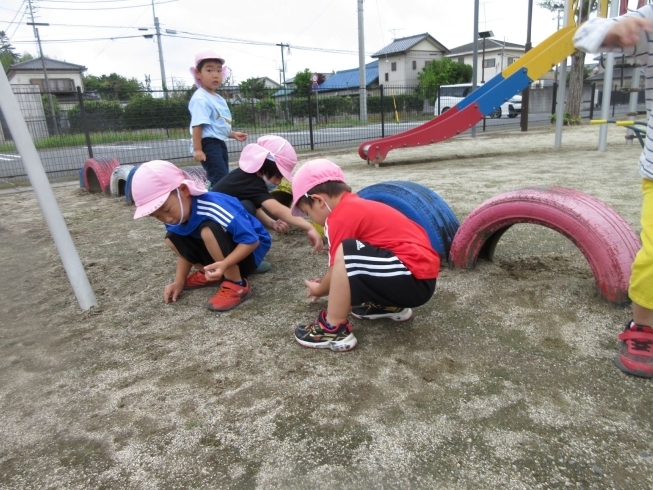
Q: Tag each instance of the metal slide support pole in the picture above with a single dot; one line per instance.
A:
(607, 86)
(562, 82)
(39, 180)
(632, 103)
(474, 58)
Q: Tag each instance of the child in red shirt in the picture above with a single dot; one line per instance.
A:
(381, 264)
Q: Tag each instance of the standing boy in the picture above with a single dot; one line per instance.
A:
(210, 123)
(381, 264)
(631, 34)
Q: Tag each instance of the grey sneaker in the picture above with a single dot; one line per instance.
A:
(371, 311)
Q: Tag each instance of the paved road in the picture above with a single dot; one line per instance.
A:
(66, 162)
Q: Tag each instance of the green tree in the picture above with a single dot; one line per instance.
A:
(7, 54)
(26, 57)
(113, 86)
(577, 74)
(442, 72)
(253, 88)
(303, 81)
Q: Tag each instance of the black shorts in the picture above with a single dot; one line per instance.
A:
(376, 275)
(194, 251)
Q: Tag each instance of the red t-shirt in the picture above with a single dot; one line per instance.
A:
(382, 226)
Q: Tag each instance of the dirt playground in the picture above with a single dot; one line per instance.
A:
(505, 379)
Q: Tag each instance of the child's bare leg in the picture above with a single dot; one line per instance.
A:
(339, 292)
(642, 315)
(211, 243)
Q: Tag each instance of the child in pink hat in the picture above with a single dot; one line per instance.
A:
(381, 264)
(209, 231)
(210, 124)
(272, 158)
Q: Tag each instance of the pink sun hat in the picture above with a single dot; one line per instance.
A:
(208, 55)
(154, 181)
(309, 175)
(270, 147)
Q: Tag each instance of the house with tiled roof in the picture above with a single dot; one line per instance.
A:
(498, 55)
(401, 60)
(64, 77)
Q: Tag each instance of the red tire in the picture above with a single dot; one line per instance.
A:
(97, 174)
(608, 243)
(197, 174)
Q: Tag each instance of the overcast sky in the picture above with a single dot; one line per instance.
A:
(246, 32)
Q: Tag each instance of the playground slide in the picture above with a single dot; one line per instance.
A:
(480, 103)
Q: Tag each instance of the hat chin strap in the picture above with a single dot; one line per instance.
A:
(181, 206)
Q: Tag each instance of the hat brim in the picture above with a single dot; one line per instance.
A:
(151, 206)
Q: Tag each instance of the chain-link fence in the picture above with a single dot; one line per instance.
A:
(135, 127)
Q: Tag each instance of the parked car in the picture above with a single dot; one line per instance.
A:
(450, 95)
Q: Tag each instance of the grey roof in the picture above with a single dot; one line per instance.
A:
(490, 45)
(405, 43)
(35, 64)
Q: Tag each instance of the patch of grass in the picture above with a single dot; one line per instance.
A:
(78, 139)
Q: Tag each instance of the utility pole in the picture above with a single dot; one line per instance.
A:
(526, 92)
(475, 57)
(283, 68)
(361, 64)
(55, 126)
(158, 40)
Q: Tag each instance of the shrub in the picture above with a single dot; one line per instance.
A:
(154, 113)
(100, 116)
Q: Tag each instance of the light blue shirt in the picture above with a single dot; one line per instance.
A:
(212, 113)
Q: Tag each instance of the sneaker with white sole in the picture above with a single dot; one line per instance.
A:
(319, 335)
(371, 311)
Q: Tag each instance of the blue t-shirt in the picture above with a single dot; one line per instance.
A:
(231, 215)
(212, 113)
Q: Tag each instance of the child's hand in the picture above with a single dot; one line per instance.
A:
(280, 226)
(199, 156)
(315, 240)
(313, 289)
(172, 291)
(627, 31)
(238, 136)
(213, 272)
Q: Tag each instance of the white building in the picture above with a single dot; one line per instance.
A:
(404, 58)
(498, 55)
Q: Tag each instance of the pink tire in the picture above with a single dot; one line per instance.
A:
(197, 174)
(97, 174)
(608, 243)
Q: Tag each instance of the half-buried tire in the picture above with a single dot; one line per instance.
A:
(420, 204)
(119, 180)
(128, 185)
(97, 173)
(608, 243)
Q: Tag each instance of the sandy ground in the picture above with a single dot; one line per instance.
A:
(505, 379)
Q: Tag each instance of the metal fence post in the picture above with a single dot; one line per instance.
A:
(554, 97)
(310, 120)
(592, 101)
(382, 113)
(438, 97)
(82, 112)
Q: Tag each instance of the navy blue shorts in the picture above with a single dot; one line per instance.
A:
(217, 159)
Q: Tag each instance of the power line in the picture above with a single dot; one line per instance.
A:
(107, 8)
